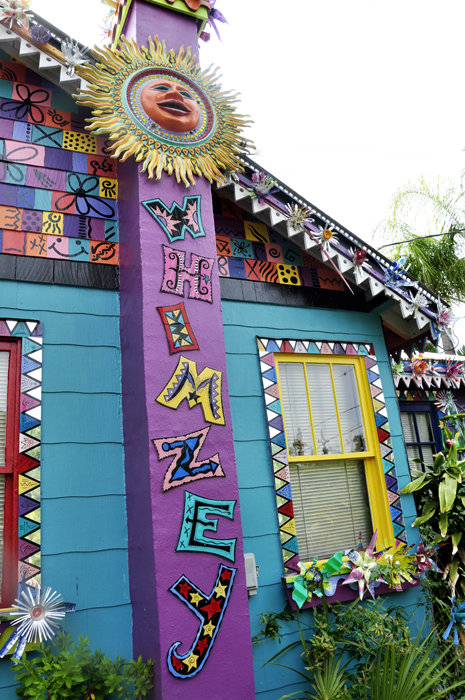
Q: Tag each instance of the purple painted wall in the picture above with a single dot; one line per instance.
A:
(155, 517)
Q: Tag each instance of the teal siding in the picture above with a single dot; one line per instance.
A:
(84, 532)
(243, 322)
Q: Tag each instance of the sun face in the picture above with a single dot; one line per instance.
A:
(160, 107)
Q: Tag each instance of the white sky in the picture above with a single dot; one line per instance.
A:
(350, 100)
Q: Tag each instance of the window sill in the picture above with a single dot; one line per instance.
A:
(341, 593)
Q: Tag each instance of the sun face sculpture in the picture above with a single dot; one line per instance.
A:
(162, 108)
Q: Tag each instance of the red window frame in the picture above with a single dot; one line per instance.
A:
(9, 588)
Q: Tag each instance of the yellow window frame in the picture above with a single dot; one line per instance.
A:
(374, 474)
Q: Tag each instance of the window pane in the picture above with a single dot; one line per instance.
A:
(413, 452)
(4, 361)
(330, 506)
(323, 410)
(295, 408)
(424, 426)
(348, 403)
(408, 427)
(428, 451)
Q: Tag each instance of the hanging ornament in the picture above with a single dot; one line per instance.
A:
(457, 620)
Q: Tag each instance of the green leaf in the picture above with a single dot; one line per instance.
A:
(443, 521)
(456, 537)
(422, 519)
(442, 496)
(450, 490)
(439, 460)
(416, 484)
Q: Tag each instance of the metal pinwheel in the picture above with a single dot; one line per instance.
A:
(458, 618)
(364, 568)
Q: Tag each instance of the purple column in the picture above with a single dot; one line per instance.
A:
(162, 617)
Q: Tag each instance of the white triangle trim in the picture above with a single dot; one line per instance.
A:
(35, 412)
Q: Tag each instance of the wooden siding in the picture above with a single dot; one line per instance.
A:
(242, 323)
(84, 532)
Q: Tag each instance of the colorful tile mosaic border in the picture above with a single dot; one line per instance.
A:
(29, 444)
(267, 348)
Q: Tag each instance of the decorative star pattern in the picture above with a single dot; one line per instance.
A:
(210, 610)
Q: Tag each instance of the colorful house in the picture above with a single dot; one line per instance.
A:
(215, 354)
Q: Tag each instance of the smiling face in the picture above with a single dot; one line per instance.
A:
(170, 105)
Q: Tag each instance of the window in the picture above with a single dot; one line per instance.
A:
(421, 436)
(10, 368)
(336, 476)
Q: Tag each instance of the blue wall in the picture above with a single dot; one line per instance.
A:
(84, 533)
(243, 322)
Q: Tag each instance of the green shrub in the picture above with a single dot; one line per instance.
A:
(62, 669)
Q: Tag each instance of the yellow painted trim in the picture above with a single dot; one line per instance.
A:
(376, 484)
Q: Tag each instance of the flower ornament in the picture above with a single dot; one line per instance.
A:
(394, 275)
(397, 367)
(445, 402)
(215, 16)
(306, 583)
(358, 256)
(74, 55)
(36, 614)
(419, 301)
(419, 365)
(457, 622)
(15, 11)
(298, 216)
(40, 34)
(325, 236)
(424, 561)
(445, 318)
(396, 565)
(230, 177)
(364, 568)
(263, 184)
(454, 370)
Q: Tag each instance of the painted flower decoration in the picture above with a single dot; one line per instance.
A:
(15, 11)
(74, 55)
(39, 34)
(298, 216)
(457, 622)
(396, 565)
(263, 184)
(36, 614)
(365, 569)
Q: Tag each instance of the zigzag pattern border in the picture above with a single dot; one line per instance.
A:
(267, 348)
(29, 444)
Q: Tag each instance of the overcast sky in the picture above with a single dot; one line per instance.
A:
(350, 100)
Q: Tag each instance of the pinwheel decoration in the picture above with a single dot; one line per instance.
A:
(36, 613)
(396, 565)
(446, 403)
(263, 184)
(394, 275)
(457, 622)
(424, 562)
(298, 216)
(306, 583)
(325, 236)
(419, 365)
(364, 568)
(453, 369)
(15, 11)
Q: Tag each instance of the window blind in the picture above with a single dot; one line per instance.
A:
(425, 429)
(4, 363)
(323, 409)
(408, 427)
(350, 414)
(330, 506)
(295, 407)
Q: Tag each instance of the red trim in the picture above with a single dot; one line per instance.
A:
(10, 525)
